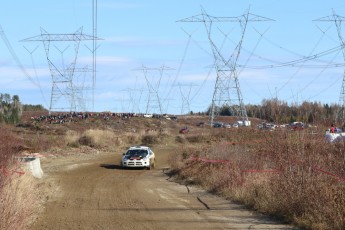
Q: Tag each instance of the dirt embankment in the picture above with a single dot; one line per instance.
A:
(93, 192)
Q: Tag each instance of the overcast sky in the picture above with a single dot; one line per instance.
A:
(147, 55)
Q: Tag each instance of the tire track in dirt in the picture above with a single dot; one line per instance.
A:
(95, 193)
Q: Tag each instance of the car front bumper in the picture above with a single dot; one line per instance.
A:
(135, 163)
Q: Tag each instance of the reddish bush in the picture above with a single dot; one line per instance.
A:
(293, 175)
(17, 191)
(9, 145)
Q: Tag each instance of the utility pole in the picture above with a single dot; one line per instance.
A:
(227, 87)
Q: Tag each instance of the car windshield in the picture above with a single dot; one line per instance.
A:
(136, 153)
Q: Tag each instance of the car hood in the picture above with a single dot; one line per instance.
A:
(133, 158)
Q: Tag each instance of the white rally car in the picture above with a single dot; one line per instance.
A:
(139, 156)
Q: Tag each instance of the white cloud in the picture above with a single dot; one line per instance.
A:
(4, 62)
(16, 74)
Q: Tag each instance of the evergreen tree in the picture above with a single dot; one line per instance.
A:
(10, 109)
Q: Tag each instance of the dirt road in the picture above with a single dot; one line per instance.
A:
(93, 192)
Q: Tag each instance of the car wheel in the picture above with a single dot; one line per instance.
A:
(152, 165)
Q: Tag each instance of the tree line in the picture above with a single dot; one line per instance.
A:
(274, 110)
(278, 111)
(270, 110)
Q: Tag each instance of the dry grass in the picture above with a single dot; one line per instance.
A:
(292, 175)
(129, 139)
(108, 139)
(41, 141)
(95, 138)
(72, 138)
(17, 192)
(19, 203)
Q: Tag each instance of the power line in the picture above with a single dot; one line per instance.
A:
(227, 88)
(154, 101)
(15, 57)
(181, 64)
(34, 66)
(63, 78)
(295, 63)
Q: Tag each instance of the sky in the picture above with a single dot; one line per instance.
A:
(150, 60)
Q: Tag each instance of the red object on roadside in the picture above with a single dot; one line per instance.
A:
(184, 130)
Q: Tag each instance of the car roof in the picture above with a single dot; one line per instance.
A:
(139, 147)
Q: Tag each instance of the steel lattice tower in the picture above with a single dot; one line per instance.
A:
(185, 96)
(64, 85)
(227, 87)
(154, 102)
(337, 21)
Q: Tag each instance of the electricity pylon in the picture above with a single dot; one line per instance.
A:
(227, 87)
(185, 96)
(154, 102)
(64, 84)
(337, 21)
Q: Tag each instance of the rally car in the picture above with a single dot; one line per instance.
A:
(138, 156)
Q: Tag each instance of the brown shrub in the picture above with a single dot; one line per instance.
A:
(97, 138)
(180, 139)
(197, 138)
(40, 142)
(72, 139)
(17, 193)
(87, 141)
(293, 175)
(18, 199)
(9, 145)
(150, 139)
(131, 139)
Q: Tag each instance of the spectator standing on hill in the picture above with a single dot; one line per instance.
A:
(332, 129)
